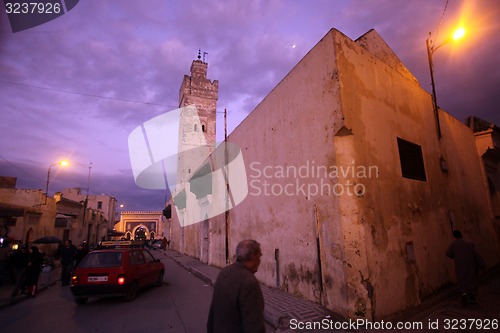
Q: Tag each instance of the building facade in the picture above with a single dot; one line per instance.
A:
(487, 137)
(351, 192)
(142, 225)
(100, 211)
(26, 215)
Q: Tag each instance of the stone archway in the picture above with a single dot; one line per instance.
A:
(141, 232)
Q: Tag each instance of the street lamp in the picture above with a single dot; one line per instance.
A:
(62, 163)
(459, 33)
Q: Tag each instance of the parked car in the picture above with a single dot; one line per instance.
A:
(155, 244)
(119, 271)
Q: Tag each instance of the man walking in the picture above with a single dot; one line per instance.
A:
(68, 255)
(237, 303)
(467, 264)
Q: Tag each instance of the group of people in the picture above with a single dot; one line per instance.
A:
(27, 266)
(238, 304)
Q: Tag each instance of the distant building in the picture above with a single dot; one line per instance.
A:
(99, 214)
(487, 137)
(352, 194)
(22, 215)
(141, 225)
(26, 215)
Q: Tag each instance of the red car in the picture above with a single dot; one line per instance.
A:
(115, 272)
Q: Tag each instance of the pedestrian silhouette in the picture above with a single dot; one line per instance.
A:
(237, 303)
(468, 262)
(35, 262)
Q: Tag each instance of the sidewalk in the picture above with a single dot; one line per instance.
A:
(280, 306)
(442, 308)
(45, 280)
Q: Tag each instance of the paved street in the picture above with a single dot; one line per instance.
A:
(181, 305)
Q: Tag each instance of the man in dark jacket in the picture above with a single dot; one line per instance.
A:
(68, 255)
(35, 262)
(237, 303)
(468, 262)
(19, 261)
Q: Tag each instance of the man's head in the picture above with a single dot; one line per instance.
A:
(457, 234)
(248, 253)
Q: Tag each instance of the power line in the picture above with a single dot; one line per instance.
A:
(18, 168)
(84, 94)
(441, 20)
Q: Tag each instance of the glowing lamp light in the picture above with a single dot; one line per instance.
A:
(459, 33)
(121, 280)
(62, 163)
(431, 48)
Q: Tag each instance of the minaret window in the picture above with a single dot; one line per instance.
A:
(196, 127)
(203, 128)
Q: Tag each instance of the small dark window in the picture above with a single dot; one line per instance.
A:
(196, 127)
(99, 204)
(412, 161)
(203, 128)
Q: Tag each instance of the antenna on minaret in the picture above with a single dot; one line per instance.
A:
(199, 54)
(204, 54)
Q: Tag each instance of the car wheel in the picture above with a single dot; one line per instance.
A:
(81, 300)
(159, 282)
(131, 292)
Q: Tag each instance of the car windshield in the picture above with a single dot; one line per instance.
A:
(101, 259)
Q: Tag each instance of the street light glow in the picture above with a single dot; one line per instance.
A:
(431, 48)
(459, 33)
(61, 163)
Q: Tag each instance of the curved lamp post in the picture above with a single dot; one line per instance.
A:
(62, 163)
(459, 33)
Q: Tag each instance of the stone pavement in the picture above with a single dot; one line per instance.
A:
(280, 306)
(440, 313)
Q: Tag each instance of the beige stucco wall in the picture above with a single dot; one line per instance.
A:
(396, 213)
(293, 127)
(381, 250)
(34, 203)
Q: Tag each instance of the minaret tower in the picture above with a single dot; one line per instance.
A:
(197, 125)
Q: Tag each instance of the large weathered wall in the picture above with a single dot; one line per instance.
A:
(287, 137)
(404, 223)
(326, 187)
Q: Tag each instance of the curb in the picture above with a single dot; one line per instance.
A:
(271, 315)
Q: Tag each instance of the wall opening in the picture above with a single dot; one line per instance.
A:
(412, 160)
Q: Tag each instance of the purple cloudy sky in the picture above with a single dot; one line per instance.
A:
(76, 86)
